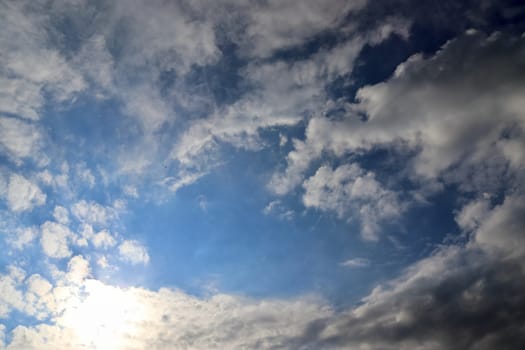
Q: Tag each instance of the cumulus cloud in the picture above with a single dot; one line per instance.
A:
(11, 297)
(19, 139)
(350, 191)
(133, 252)
(61, 215)
(23, 195)
(55, 239)
(92, 212)
(78, 269)
(23, 237)
(454, 115)
(103, 239)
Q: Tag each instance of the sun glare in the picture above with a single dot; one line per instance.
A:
(102, 317)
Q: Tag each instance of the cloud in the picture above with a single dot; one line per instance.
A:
(78, 269)
(105, 316)
(23, 237)
(350, 192)
(442, 110)
(38, 285)
(133, 252)
(92, 212)
(11, 297)
(61, 215)
(23, 195)
(2, 335)
(278, 25)
(103, 239)
(30, 68)
(502, 232)
(282, 93)
(278, 209)
(19, 139)
(356, 262)
(55, 240)
(461, 297)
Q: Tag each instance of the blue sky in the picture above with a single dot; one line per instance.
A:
(262, 174)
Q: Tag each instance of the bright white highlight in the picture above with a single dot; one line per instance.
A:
(103, 317)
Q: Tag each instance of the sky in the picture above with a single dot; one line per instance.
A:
(262, 174)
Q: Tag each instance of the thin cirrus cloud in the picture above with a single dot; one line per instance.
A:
(189, 175)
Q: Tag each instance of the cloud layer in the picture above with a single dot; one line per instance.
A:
(110, 111)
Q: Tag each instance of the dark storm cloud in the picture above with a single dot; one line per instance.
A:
(461, 297)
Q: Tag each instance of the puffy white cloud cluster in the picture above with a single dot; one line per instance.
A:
(133, 252)
(350, 191)
(22, 194)
(92, 212)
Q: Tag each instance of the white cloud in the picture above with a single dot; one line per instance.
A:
(103, 239)
(175, 38)
(92, 212)
(103, 262)
(86, 175)
(2, 336)
(38, 299)
(38, 285)
(23, 237)
(284, 93)
(133, 252)
(356, 262)
(184, 179)
(23, 195)
(78, 269)
(131, 191)
(11, 297)
(61, 215)
(277, 208)
(275, 25)
(108, 317)
(30, 68)
(55, 239)
(502, 230)
(19, 139)
(350, 191)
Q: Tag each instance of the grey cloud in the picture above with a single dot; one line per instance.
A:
(461, 297)
(454, 108)
(30, 66)
(19, 139)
